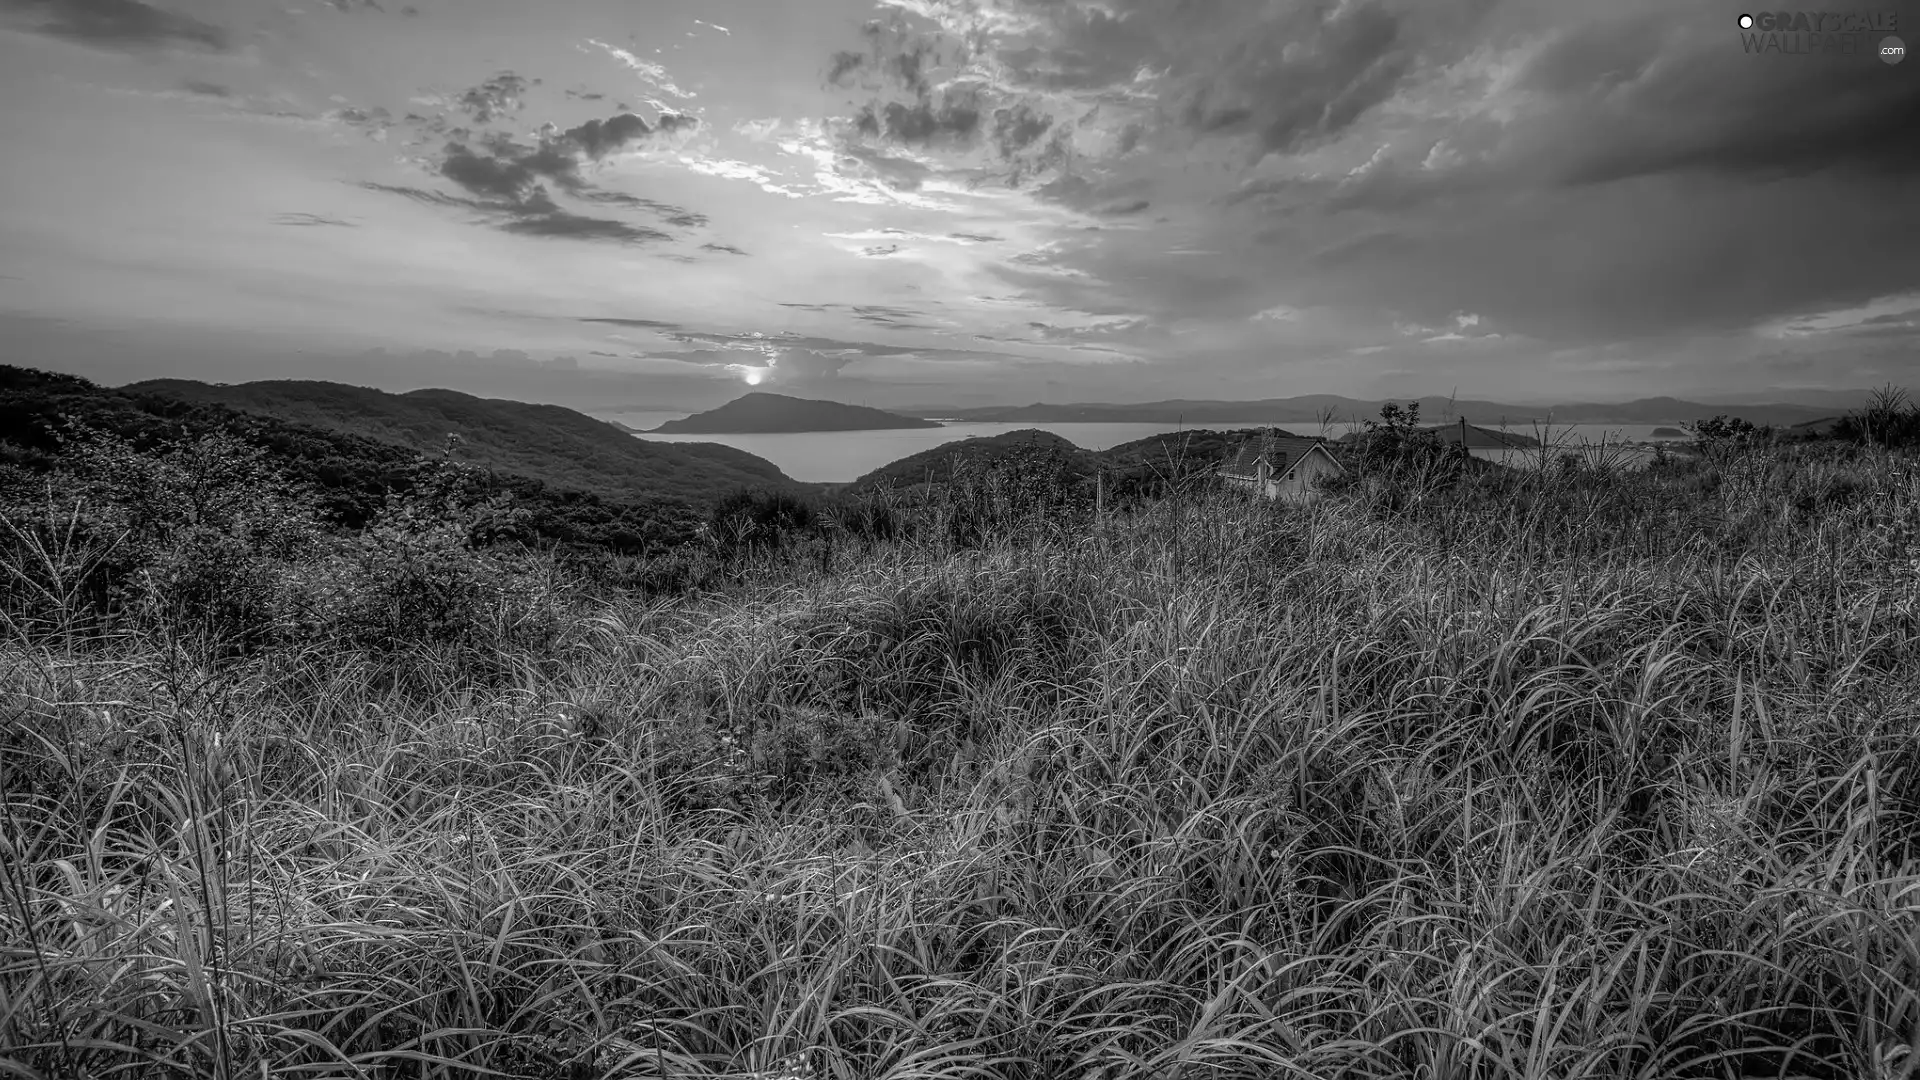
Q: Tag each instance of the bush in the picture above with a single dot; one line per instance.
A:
(192, 535)
(1889, 419)
(430, 570)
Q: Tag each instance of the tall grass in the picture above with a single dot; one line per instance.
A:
(1563, 773)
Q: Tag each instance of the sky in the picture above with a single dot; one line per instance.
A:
(662, 204)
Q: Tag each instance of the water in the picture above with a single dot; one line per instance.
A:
(836, 457)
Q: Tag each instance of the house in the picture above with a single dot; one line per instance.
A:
(1280, 466)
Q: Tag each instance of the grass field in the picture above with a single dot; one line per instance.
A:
(1566, 774)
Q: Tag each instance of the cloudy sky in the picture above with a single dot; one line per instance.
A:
(658, 203)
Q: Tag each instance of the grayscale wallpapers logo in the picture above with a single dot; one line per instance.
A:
(1824, 33)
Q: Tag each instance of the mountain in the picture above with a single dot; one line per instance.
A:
(351, 474)
(1311, 408)
(762, 414)
(548, 443)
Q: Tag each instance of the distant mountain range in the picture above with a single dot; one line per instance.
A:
(548, 443)
(761, 413)
(1312, 408)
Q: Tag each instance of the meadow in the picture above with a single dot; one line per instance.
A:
(1453, 772)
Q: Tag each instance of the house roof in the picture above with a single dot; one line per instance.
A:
(1282, 452)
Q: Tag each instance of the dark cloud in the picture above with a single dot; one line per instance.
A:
(522, 210)
(410, 11)
(897, 318)
(638, 324)
(356, 5)
(898, 173)
(1703, 105)
(375, 122)
(843, 64)
(667, 212)
(1017, 127)
(585, 95)
(494, 98)
(503, 168)
(422, 195)
(894, 318)
(978, 238)
(1576, 173)
(953, 120)
(595, 139)
(1110, 198)
(206, 89)
(561, 223)
(723, 249)
(302, 219)
(121, 24)
(1281, 75)
(508, 180)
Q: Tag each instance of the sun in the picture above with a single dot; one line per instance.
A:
(753, 377)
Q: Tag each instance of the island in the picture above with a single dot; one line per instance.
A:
(760, 413)
(1668, 433)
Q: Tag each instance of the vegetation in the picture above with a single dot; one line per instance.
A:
(1572, 772)
(352, 474)
(763, 412)
(557, 447)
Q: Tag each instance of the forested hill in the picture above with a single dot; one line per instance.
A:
(352, 473)
(548, 443)
(764, 413)
(1141, 462)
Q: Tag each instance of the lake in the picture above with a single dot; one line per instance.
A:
(836, 457)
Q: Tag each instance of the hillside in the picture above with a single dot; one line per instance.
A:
(937, 465)
(543, 442)
(764, 414)
(1475, 438)
(352, 473)
(1171, 453)
(1310, 408)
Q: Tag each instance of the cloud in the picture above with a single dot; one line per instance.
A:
(1570, 173)
(424, 196)
(554, 221)
(652, 75)
(302, 219)
(509, 197)
(501, 167)
(206, 89)
(494, 98)
(596, 139)
(508, 180)
(723, 249)
(666, 212)
(1705, 107)
(119, 24)
(637, 324)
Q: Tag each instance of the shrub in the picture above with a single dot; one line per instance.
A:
(433, 569)
(192, 535)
